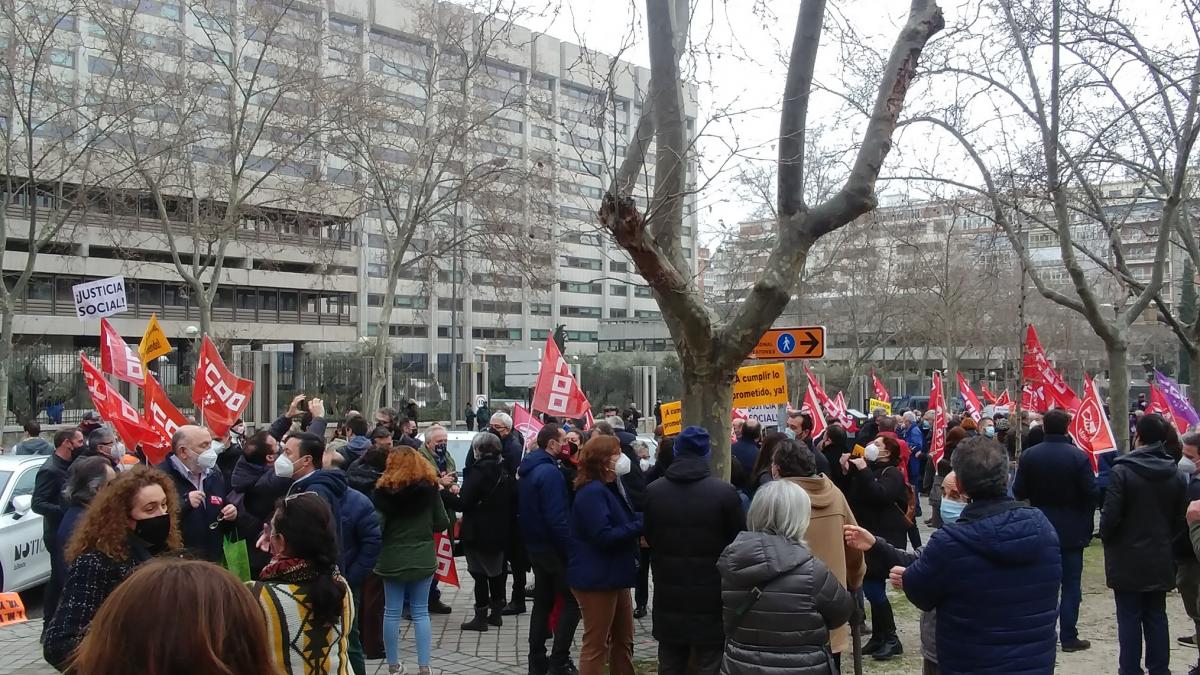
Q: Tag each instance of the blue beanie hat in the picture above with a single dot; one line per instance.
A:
(693, 441)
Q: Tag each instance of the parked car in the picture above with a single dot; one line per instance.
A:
(459, 444)
(24, 560)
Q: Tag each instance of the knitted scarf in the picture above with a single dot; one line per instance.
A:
(289, 570)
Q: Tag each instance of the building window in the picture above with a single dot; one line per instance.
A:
(444, 331)
(408, 331)
(377, 270)
(615, 266)
(539, 334)
(593, 264)
(617, 313)
(496, 306)
(642, 292)
(450, 304)
(585, 312)
(486, 333)
(577, 287)
(646, 314)
(374, 300)
(619, 290)
(545, 133)
(581, 335)
(540, 308)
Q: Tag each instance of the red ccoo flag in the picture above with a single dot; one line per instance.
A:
(812, 406)
(881, 392)
(117, 359)
(1047, 387)
(1005, 401)
(937, 403)
(970, 400)
(1090, 426)
(218, 393)
(163, 420)
(988, 396)
(527, 424)
(557, 392)
(113, 407)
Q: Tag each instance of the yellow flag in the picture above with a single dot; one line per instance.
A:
(154, 342)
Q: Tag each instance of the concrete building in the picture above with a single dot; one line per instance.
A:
(304, 272)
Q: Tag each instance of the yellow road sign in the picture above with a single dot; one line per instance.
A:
(804, 342)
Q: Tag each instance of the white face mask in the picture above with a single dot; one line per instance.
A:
(623, 465)
(645, 464)
(872, 452)
(1187, 466)
(118, 451)
(284, 467)
(207, 459)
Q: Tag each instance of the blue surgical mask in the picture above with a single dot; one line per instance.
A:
(790, 433)
(990, 432)
(924, 425)
(951, 510)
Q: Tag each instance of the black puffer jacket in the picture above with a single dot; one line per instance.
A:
(690, 518)
(1143, 513)
(786, 630)
(878, 497)
(255, 488)
(486, 501)
(362, 476)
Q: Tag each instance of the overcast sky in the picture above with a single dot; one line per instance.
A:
(746, 42)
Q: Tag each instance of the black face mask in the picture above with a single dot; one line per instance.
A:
(154, 531)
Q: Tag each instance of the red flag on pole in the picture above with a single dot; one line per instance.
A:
(219, 394)
(1159, 404)
(1005, 401)
(970, 400)
(527, 424)
(1090, 426)
(881, 392)
(827, 407)
(163, 420)
(812, 406)
(117, 359)
(588, 420)
(988, 396)
(937, 403)
(113, 407)
(557, 392)
(1041, 375)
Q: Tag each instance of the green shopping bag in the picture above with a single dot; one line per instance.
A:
(237, 558)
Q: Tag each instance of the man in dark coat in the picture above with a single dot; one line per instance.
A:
(690, 518)
(1143, 514)
(745, 451)
(202, 492)
(993, 575)
(49, 504)
(544, 507)
(1056, 477)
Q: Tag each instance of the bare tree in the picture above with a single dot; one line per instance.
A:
(53, 146)
(225, 134)
(430, 133)
(1061, 82)
(710, 352)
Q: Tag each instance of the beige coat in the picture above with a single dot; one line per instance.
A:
(825, 539)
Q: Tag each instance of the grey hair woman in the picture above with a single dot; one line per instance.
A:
(486, 500)
(779, 600)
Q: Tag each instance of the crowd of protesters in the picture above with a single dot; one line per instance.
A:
(771, 571)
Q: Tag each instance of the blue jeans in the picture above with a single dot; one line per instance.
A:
(1141, 614)
(395, 592)
(1068, 605)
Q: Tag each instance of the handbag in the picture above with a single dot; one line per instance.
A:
(910, 502)
(237, 558)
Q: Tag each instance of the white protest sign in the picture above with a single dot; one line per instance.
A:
(100, 298)
(767, 415)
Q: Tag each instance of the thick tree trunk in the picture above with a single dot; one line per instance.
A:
(379, 368)
(707, 400)
(1193, 363)
(1118, 391)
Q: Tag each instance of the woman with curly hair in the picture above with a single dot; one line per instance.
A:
(232, 639)
(410, 511)
(134, 518)
(307, 603)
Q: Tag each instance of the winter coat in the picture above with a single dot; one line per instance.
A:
(410, 515)
(201, 541)
(48, 501)
(90, 579)
(485, 501)
(283, 424)
(329, 485)
(603, 554)
(446, 458)
(878, 496)
(993, 577)
(830, 512)
(33, 446)
(1056, 477)
(1184, 552)
(66, 528)
(352, 450)
(362, 538)
(362, 477)
(690, 518)
(228, 459)
(543, 505)
(900, 558)
(483, 417)
(786, 630)
(746, 453)
(512, 448)
(254, 490)
(634, 482)
(1143, 513)
(297, 646)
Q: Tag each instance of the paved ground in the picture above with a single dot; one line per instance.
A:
(503, 650)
